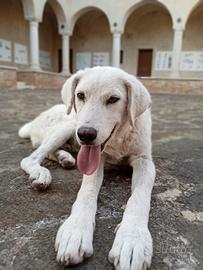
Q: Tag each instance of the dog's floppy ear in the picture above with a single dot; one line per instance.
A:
(139, 99)
(68, 90)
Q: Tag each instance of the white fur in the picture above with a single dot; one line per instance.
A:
(130, 121)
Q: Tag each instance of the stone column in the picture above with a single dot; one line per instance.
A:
(65, 54)
(176, 54)
(34, 45)
(116, 49)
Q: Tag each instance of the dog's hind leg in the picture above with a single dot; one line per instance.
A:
(40, 177)
(24, 131)
(64, 158)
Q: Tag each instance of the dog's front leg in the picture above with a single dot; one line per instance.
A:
(75, 236)
(132, 248)
(40, 177)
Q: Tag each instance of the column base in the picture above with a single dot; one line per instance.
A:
(35, 68)
(65, 73)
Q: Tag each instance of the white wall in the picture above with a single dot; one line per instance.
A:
(14, 28)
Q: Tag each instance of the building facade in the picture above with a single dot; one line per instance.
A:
(148, 38)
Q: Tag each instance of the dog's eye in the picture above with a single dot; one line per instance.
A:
(112, 100)
(81, 96)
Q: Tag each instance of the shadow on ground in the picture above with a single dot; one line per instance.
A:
(29, 219)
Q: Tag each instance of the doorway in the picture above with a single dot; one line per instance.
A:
(60, 60)
(144, 63)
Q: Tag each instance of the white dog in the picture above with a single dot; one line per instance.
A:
(108, 112)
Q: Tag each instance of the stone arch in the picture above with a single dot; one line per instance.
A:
(53, 18)
(74, 18)
(148, 33)
(34, 10)
(193, 43)
(87, 41)
(193, 8)
(194, 29)
(58, 10)
(14, 34)
(139, 4)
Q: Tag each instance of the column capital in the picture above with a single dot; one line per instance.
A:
(34, 23)
(116, 32)
(178, 29)
(116, 27)
(32, 19)
(64, 29)
(65, 33)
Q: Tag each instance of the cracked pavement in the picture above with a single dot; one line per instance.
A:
(29, 219)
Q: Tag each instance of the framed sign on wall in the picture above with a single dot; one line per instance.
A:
(163, 60)
(5, 50)
(100, 59)
(45, 60)
(191, 61)
(83, 60)
(21, 54)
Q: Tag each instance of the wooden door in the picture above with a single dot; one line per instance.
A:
(144, 63)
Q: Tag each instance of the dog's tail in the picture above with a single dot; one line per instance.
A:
(24, 131)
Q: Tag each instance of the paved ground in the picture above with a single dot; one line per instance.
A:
(29, 219)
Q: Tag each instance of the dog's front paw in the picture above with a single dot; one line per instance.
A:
(132, 250)
(40, 178)
(74, 240)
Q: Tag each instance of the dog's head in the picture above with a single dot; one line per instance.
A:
(103, 97)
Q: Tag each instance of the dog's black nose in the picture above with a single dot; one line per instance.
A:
(86, 134)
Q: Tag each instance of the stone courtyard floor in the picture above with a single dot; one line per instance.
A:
(29, 219)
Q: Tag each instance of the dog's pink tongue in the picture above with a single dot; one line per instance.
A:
(88, 158)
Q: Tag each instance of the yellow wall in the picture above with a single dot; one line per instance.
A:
(193, 38)
(15, 28)
(149, 27)
(49, 39)
(91, 34)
